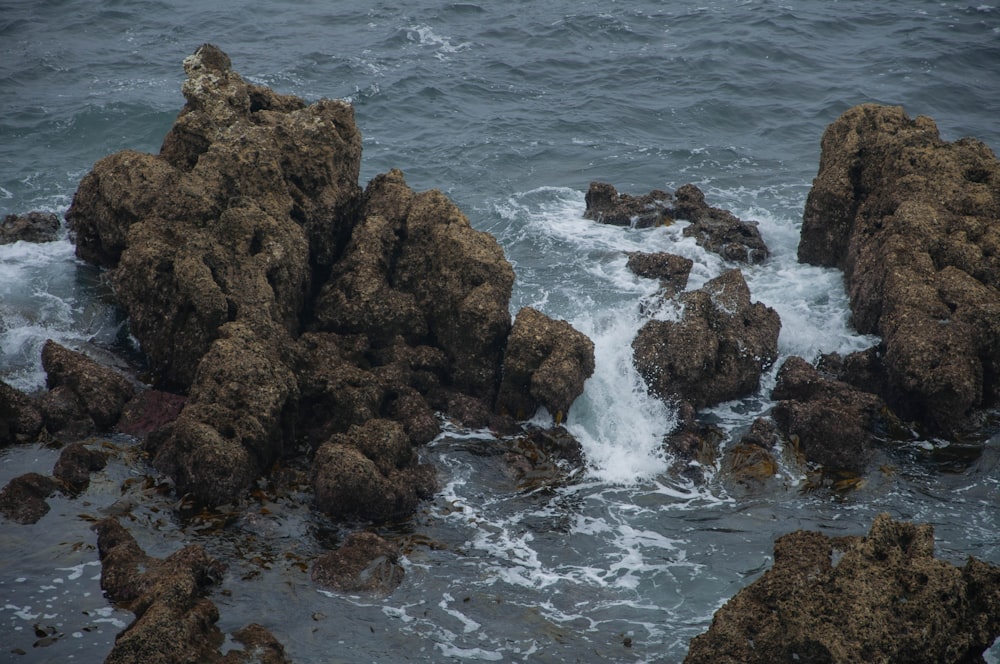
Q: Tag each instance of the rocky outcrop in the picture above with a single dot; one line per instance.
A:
(22, 500)
(607, 206)
(832, 423)
(880, 598)
(364, 563)
(911, 220)
(174, 621)
(84, 397)
(545, 364)
(716, 351)
(20, 418)
(288, 304)
(715, 229)
(671, 270)
(31, 227)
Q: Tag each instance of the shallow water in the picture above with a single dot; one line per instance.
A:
(511, 110)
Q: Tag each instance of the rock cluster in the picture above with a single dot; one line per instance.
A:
(715, 229)
(30, 227)
(174, 622)
(294, 308)
(880, 598)
(911, 219)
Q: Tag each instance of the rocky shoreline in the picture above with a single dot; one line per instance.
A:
(293, 320)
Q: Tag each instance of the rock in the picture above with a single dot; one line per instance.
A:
(717, 351)
(370, 472)
(364, 563)
(607, 206)
(832, 423)
(22, 500)
(545, 364)
(719, 230)
(911, 221)
(75, 464)
(693, 446)
(751, 461)
(174, 621)
(20, 419)
(148, 411)
(84, 397)
(670, 269)
(544, 458)
(884, 598)
(31, 227)
(285, 303)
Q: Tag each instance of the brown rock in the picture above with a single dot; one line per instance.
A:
(716, 352)
(75, 464)
(670, 269)
(31, 227)
(719, 230)
(22, 500)
(832, 423)
(910, 220)
(84, 397)
(886, 599)
(751, 461)
(546, 364)
(20, 418)
(364, 563)
(607, 206)
(174, 621)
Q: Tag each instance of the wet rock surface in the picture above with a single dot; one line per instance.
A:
(911, 219)
(75, 464)
(883, 597)
(671, 270)
(715, 229)
(22, 500)
(545, 364)
(20, 417)
(831, 422)
(716, 351)
(30, 227)
(174, 621)
(364, 563)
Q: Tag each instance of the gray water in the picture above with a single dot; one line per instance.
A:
(511, 109)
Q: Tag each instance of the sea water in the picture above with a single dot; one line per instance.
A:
(511, 109)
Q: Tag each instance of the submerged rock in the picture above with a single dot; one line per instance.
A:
(911, 219)
(365, 563)
(31, 227)
(545, 364)
(75, 464)
(22, 500)
(718, 349)
(880, 598)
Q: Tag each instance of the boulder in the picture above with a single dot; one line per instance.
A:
(719, 230)
(84, 397)
(75, 464)
(364, 563)
(370, 472)
(831, 422)
(716, 351)
(20, 418)
(880, 598)
(693, 446)
(672, 270)
(910, 219)
(545, 364)
(22, 500)
(607, 206)
(31, 227)
(174, 621)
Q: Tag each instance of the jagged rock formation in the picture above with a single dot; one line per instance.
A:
(716, 351)
(912, 221)
(289, 305)
(31, 227)
(880, 598)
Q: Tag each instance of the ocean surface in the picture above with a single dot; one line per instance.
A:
(511, 109)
